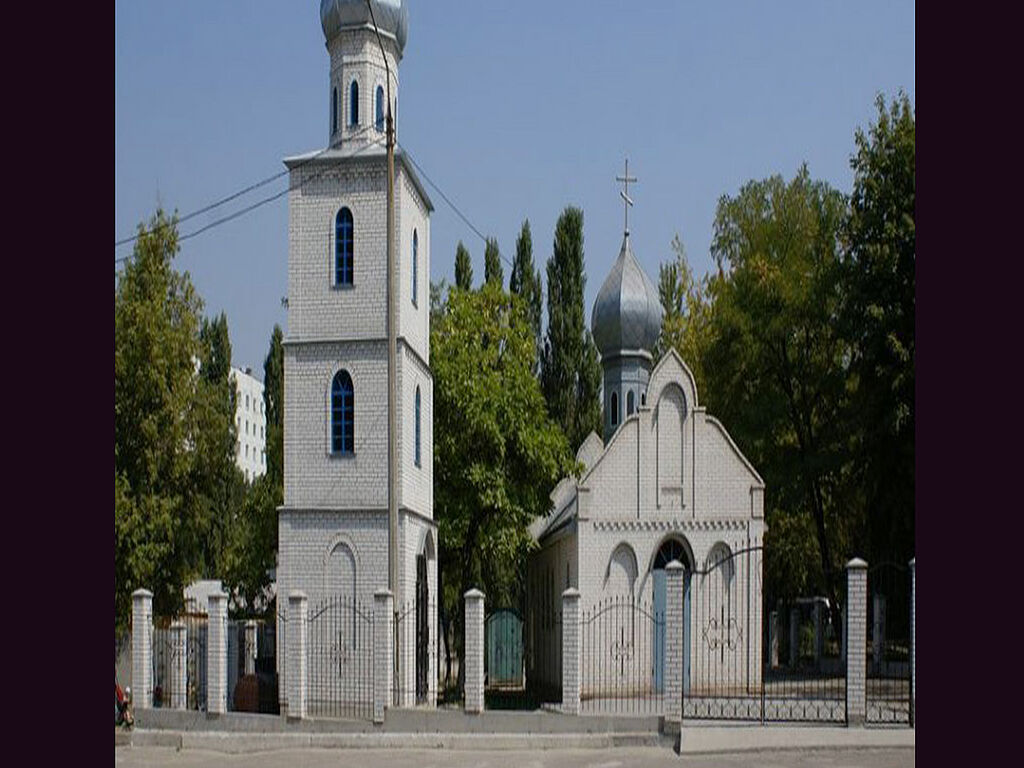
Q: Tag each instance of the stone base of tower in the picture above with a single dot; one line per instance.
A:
(339, 558)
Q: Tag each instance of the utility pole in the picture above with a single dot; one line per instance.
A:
(392, 331)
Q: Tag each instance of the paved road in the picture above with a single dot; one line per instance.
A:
(583, 758)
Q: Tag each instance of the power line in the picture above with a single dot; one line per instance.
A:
(405, 153)
(241, 192)
(262, 202)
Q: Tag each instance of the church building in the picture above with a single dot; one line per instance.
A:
(663, 482)
(333, 527)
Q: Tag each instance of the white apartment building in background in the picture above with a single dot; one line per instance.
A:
(250, 423)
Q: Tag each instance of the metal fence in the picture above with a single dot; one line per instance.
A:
(740, 664)
(411, 682)
(165, 658)
(252, 667)
(888, 650)
(622, 651)
(340, 667)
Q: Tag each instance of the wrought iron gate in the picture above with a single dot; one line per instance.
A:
(888, 671)
(341, 658)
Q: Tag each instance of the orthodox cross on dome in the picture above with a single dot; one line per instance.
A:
(627, 201)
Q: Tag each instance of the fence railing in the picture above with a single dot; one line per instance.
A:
(888, 660)
(340, 658)
(622, 651)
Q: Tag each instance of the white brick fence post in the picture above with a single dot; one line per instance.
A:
(250, 647)
(856, 631)
(179, 669)
(297, 682)
(571, 651)
(217, 654)
(142, 649)
(383, 635)
(674, 575)
(474, 678)
(913, 643)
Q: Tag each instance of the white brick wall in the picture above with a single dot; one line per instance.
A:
(356, 54)
(142, 648)
(217, 654)
(474, 628)
(631, 495)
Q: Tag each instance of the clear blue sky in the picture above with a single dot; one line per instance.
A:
(514, 109)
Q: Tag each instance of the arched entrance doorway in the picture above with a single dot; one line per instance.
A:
(671, 549)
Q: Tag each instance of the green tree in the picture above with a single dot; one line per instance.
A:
(273, 403)
(776, 364)
(570, 371)
(877, 320)
(158, 535)
(525, 282)
(493, 272)
(496, 453)
(686, 324)
(463, 268)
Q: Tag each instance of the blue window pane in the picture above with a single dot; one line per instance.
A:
(342, 414)
(417, 426)
(343, 247)
(380, 108)
(415, 264)
(353, 104)
(334, 110)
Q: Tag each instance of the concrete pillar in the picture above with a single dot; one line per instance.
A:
(913, 643)
(773, 639)
(794, 636)
(571, 651)
(856, 643)
(673, 679)
(250, 647)
(217, 654)
(383, 637)
(142, 649)
(179, 669)
(474, 676)
(298, 682)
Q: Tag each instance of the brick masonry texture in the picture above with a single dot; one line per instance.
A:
(856, 643)
(474, 629)
(217, 655)
(142, 648)
(669, 471)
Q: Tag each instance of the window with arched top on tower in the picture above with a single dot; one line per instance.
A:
(415, 267)
(342, 414)
(344, 232)
(615, 408)
(380, 108)
(334, 110)
(629, 403)
(417, 425)
(353, 103)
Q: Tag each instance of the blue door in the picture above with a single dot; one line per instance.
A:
(658, 646)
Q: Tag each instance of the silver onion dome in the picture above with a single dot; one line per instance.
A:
(392, 17)
(627, 313)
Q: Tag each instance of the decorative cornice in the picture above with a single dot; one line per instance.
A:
(628, 524)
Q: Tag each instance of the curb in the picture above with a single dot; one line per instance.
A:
(239, 743)
(694, 741)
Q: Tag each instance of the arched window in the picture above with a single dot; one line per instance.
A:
(615, 408)
(380, 108)
(334, 110)
(343, 247)
(415, 266)
(629, 403)
(342, 414)
(669, 551)
(643, 398)
(353, 103)
(417, 426)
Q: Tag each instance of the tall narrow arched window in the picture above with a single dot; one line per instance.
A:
(343, 247)
(615, 408)
(380, 108)
(415, 266)
(417, 426)
(629, 403)
(353, 103)
(342, 414)
(334, 110)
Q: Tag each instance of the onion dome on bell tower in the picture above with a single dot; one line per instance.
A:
(625, 323)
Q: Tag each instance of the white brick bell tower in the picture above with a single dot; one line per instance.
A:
(333, 528)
